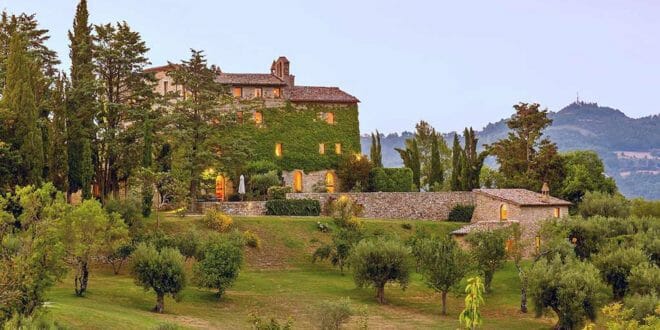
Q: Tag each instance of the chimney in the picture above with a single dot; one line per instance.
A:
(545, 192)
(280, 68)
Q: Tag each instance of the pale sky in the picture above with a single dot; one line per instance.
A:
(452, 63)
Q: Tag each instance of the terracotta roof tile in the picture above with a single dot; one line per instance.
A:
(318, 94)
(263, 79)
(483, 226)
(522, 197)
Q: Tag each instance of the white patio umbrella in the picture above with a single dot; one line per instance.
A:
(241, 185)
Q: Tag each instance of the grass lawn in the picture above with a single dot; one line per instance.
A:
(278, 280)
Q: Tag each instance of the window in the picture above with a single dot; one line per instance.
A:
(220, 187)
(278, 149)
(322, 148)
(338, 148)
(258, 117)
(508, 245)
(277, 93)
(165, 87)
(297, 181)
(237, 91)
(503, 212)
(239, 117)
(330, 117)
(257, 92)
(557, 212)
(330, 182)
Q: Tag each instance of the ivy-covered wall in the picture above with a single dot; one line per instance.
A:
(300, 130)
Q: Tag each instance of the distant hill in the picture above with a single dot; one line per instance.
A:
(629, 147)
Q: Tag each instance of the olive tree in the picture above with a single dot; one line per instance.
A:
(162, 271)
(219, 265)
(571, 288)
(615, 265)
(488, 251)
(89, 231)
(443, 264)
(378, 262)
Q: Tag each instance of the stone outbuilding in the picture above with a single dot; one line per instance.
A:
(499, 208)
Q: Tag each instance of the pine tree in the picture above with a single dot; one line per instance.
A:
(58, 167)
(82, 105)
(376, 150)
(436, 176)
(456, 165)
(19, 99)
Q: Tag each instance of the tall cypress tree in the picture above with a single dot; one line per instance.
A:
(58, 167)
(375, 152)
(436, 176)
(472, 161)
(456, 164)
(82, 104)
(19, 98)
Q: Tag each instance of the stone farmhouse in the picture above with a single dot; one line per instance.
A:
(305, 130)
(499, 208)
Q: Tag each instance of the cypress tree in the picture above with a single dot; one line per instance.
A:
(436, 176)
(19, 98)
(473, 161)
(58, 167)
(147, 188)
(376, 150)
(412, 160)
(81, 104)
(456, 164)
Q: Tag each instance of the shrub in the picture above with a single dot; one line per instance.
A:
(407, 226)
(322, 227)
(345, 211)
(642, 306)
(597, 203)
(644, 208)
(461, 213)
(378, 262)
(644, 279)
(219, 265)
(259, 184)
(278, 192)
(353, 170)
(188, 243)
(332, 314)
(488, 251)
(258, 323)
(128, 209)
(391, 179)
(251, 239)
(615, 265)
(216, 220)
(294, 207)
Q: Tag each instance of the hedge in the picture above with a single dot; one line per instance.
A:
(278, 192)
(295, 207)
(392, 179)
(461, 213)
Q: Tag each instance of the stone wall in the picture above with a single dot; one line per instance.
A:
(400, 205)
(252, 208)
(309, 179)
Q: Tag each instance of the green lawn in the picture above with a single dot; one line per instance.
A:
(278, 280)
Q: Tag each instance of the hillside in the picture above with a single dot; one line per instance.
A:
(629, 147)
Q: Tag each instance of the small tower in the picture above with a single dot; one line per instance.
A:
(545, 192)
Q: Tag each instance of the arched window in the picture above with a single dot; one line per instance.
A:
(330, 182)
(278, 149)
(297, 181)
(503, 212)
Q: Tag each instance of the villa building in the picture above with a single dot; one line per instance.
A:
(305, 130)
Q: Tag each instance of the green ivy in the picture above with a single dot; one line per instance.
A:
(300, 130)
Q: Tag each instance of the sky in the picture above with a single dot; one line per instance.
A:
(451, 63)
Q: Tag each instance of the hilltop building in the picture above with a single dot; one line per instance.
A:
(305, 130)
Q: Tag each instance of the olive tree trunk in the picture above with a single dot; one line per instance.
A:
(81, 278)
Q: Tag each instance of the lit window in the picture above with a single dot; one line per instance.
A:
(322, 148)
(239, 117)
(237, 91)
(330, 117)
(297, 181)
(557, 212)
(330, 182)
(278, 149)
(257, 92)
(258, 117)
(537, 242)
(503, 212)
(277, 92)
(508, 245)
(338, 148)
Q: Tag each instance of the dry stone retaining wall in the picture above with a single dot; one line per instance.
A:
(252, 208)
(399, 205)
